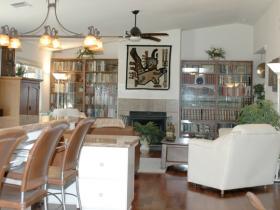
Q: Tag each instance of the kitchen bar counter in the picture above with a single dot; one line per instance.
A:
(106, 170)
(111, 141)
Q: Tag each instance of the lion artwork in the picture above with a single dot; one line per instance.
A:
(146, 70)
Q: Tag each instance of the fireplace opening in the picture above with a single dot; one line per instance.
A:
(158, 118)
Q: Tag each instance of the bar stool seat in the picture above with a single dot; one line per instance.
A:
(10, 196)
(55, 173)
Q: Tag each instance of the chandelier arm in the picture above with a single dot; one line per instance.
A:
(44, 21)
(65, 36)
(60, 24)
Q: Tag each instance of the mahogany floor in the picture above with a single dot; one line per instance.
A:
(171, 191)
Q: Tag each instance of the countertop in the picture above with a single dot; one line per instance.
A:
(111, 141)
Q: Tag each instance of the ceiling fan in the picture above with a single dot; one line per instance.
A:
(135, 33)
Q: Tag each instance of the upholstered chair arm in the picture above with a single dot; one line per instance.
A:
(207, 161)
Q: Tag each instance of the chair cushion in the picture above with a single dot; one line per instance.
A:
(254, 129)
(10, 196)
(54, 176)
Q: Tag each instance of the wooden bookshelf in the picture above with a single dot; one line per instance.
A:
(212, 94)
(91, 85)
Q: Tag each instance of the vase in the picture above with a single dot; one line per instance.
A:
(144, 148)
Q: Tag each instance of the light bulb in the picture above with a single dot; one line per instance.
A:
(45, 40)
(56, 43)
(99, 46)
(14, 43)
(4, 40)
(90, 41)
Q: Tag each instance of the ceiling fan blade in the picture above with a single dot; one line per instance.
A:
(155, 34)
(151, 38)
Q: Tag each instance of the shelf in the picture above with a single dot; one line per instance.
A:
(69, 72)
(101, 72)
(223, 88)
(95, 91)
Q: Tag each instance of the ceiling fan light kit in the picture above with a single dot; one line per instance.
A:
(135, 33)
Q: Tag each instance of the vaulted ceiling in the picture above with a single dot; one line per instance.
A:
(113, 17)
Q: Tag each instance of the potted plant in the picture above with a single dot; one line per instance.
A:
(20, 71)
(216, 53)
(259, 91)
(260, 112)
(85, 52)
(149, 134)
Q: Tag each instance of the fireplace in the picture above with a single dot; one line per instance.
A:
(159, 118)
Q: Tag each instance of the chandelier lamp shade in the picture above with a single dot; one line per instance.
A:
(9, 37)
(51, 37)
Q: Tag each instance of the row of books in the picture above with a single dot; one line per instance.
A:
(66, 101)
(101, 65)
(210, 114)
(198, 130)
(67, 88)
(63, 66)
(211, 79)
(106, 100)
(101, 78)
(101, 112)
(207, 79)
(240, 90)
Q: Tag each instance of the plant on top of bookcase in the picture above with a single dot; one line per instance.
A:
(85, 52)
(216, 53)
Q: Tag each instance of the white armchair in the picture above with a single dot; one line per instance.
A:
(245, 157)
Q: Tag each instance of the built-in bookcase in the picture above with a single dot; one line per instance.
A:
(212, 94)
(89, 85)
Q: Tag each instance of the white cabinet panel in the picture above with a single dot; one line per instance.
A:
(100, 193)
(103, 162)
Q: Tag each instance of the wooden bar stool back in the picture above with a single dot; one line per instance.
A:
(65, 171)
(9, 139)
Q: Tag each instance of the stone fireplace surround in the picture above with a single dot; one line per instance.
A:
(170, 106)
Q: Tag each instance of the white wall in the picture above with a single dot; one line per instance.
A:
(235, 39)
(173, 39)
(31, 53)
(266, 35)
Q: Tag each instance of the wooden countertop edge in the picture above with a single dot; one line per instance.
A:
(19, 78)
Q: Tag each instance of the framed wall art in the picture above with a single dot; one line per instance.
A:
(148, 67)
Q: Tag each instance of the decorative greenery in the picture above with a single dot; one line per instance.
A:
(20, 71)
(216, 53)
(149, 133)
(85, 52)
(260, 112)
(259, 91)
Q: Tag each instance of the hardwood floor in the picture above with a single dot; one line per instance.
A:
(171, 191)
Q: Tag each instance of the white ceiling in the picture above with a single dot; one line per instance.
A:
(113, 17)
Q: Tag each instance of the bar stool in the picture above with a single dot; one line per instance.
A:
(64, 167)
(31, 187)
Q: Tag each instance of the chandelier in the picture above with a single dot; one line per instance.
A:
(9, 37)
